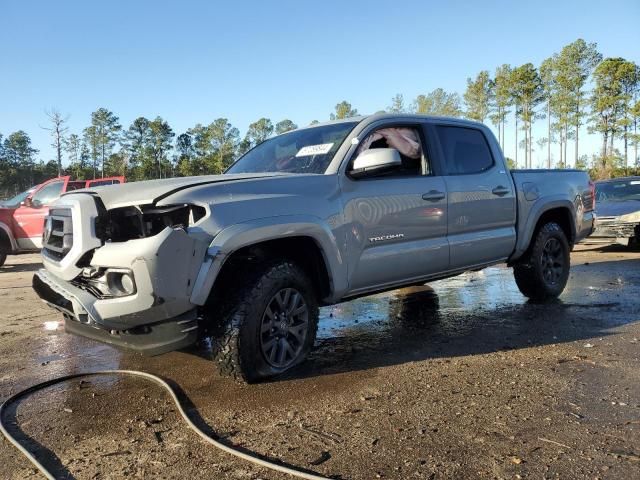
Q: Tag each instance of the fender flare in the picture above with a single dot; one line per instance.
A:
(539, 208)
(12, 241)
(253, 232)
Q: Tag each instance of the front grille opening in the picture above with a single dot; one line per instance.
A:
(57, 236)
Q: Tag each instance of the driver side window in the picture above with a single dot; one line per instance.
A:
(407, 141)
(47, 194)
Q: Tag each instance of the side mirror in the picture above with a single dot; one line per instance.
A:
(375, 161)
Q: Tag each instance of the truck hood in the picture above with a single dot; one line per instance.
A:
(615, 209)
(151, 191)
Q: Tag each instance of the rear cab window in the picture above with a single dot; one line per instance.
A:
(75, 185)
(101, 183)
(465, 150)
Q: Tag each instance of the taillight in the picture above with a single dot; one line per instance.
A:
(592, 187)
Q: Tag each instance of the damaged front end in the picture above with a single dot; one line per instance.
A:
(129, 223)
(622, 229)
(124, 276)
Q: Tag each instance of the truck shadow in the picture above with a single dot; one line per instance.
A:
(20, 267)
(473, 314)
(608, 247)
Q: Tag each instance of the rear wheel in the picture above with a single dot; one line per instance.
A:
(3, 257)
(544, 270)
(268, 325)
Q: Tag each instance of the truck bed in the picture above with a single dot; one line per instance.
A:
(552, 187)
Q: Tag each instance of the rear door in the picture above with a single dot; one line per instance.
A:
(29, 218)
(481, 198)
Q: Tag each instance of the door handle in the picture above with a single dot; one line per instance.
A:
(433, 196)
(500, 191)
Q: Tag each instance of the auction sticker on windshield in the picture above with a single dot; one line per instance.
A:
(309, 150)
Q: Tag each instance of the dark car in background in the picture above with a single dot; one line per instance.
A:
(617, 211)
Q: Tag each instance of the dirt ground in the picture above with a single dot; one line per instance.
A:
(460, 379)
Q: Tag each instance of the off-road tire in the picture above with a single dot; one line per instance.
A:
(236, 324)
(3, 258)
(537, 277)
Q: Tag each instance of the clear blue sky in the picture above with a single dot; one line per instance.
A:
(194, 61)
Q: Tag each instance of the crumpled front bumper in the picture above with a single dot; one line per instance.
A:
(149, 339)
(158, 317)
(614, 230)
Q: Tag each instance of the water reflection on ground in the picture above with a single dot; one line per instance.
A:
(423, 306)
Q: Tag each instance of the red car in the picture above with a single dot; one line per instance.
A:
(22, 217)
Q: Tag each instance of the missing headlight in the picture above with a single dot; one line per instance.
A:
(106, 283)
(128, 223)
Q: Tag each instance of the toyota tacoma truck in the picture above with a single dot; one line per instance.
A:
(312, 217)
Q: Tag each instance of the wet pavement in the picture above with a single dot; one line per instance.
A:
(460, 379)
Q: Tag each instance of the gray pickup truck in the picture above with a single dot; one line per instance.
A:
(312, 217)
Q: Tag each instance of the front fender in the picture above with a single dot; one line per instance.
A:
(242, 235)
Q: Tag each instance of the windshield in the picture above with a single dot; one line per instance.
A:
(17, 200)
(618, 191)
(309, 150)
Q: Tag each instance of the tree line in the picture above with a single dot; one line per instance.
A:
(570, 89)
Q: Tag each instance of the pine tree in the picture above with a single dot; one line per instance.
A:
(160, 143)
(478, 96)
(397, 104)
(527, 93)
(438, 102)
(136, 142)
(102, 135)
(608, 104)
(259, 131)
(343, 110)
(285, 125)
(502, 100)
(58, 129)
(576, 62)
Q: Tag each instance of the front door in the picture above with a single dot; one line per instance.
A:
(29, 217)
(397, 224)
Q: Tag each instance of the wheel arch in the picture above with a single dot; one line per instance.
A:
(307, 241)
(561, 212)
(7, 242)
(304, 251)
(563, 217)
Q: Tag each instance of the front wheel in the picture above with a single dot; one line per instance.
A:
(543, 271)
(268, 325)
(3, 257)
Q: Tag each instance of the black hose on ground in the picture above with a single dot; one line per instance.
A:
(39, 386)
